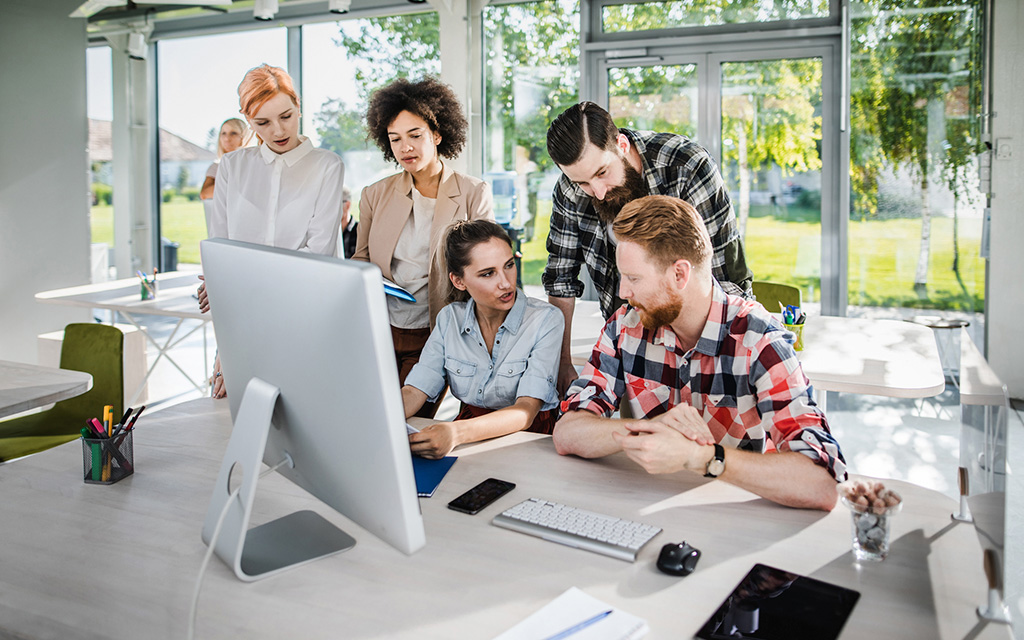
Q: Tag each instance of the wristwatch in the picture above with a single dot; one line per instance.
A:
(716, 465)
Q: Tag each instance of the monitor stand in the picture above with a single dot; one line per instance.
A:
(298, 538)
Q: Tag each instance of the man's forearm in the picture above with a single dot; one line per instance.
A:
(788, 478)
(587, 435)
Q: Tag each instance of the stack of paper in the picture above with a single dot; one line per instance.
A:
(564, 617)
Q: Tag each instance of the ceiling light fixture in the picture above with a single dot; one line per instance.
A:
(264, 9)
(339, 6)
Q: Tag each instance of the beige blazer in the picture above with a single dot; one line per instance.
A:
(386, 206)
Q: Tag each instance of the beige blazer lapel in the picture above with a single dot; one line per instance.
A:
(449, 208)
(446, 210)
(397, 208)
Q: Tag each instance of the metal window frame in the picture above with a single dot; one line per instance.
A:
(596, 27)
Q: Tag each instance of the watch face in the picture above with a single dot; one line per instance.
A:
(716, 467)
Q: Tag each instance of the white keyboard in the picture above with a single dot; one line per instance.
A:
(574, 527)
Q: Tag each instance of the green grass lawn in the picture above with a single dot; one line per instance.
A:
(181, 221)
(882, 258)
(882, 253)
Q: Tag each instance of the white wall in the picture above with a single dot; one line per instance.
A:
(44, 213)
(1006, 266)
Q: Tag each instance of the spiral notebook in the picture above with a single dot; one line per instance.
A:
(568, 611)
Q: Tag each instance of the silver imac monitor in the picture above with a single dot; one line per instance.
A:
(305, 348)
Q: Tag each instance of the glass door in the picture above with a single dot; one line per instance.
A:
(656, 97)
(777, 138)
(770, 119)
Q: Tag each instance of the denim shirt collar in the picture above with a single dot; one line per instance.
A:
(512, 322)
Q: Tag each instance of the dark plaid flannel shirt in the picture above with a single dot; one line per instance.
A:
(673, 165)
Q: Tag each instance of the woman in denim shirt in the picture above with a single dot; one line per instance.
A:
(497, 349)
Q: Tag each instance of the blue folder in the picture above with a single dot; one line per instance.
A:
(429, 473)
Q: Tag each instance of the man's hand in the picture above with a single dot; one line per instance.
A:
(566, 376)
(687, 421)
(204, 300)
(435, 441)
(662, 449)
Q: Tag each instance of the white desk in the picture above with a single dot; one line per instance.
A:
(174, 299)
(854, 355)
(90, 561)
(27, 386)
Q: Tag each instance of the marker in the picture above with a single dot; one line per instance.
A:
(579, 627)
(98, 427)
(125, 416)
(131, 425)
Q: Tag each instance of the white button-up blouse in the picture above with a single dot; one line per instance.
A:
(290, 200)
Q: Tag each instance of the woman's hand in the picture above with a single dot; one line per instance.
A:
(204, 300)
(217, 380)
(435, 441)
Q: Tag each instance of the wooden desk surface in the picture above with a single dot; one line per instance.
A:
(120, 561)
(174, 296)
(27, 386)
(854, 355)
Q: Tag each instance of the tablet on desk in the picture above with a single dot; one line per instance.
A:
(772, 604)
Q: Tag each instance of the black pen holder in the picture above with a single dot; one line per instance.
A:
(107, 460)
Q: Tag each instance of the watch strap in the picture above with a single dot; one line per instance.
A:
(719, 457)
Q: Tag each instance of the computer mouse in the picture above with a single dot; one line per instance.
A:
(678, 559)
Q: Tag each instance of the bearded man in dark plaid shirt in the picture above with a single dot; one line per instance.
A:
(712, 376)
(604, 168)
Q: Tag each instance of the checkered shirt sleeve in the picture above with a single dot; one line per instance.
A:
(788, 411)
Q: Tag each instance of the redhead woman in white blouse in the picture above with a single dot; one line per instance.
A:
(283, 192)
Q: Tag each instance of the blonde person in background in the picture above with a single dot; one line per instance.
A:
(282, 192)
(402, 218)
(234, 134)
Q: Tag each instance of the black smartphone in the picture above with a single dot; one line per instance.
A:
(481, 495)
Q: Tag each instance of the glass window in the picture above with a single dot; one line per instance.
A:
(343, 63)
(915, 215)
(771, 162)
(100, 110)
(531, 75)
(198, 90)
(644, 16)
(655, 98)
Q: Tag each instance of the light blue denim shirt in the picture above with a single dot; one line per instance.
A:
(524, 361)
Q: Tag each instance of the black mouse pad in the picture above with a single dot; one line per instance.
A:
(772, 604)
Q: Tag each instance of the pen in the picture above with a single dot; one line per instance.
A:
(125, 416)
(580, 626)
(145, 282)
(131, 425)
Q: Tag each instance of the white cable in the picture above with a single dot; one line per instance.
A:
(213, 543)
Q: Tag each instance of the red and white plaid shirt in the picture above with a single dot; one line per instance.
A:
(742, 376)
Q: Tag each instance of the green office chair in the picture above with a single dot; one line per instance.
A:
(97, 349)
(771, 294)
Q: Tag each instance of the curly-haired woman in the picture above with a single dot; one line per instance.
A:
(402, 218)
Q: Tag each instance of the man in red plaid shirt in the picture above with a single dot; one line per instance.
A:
(714, 376)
